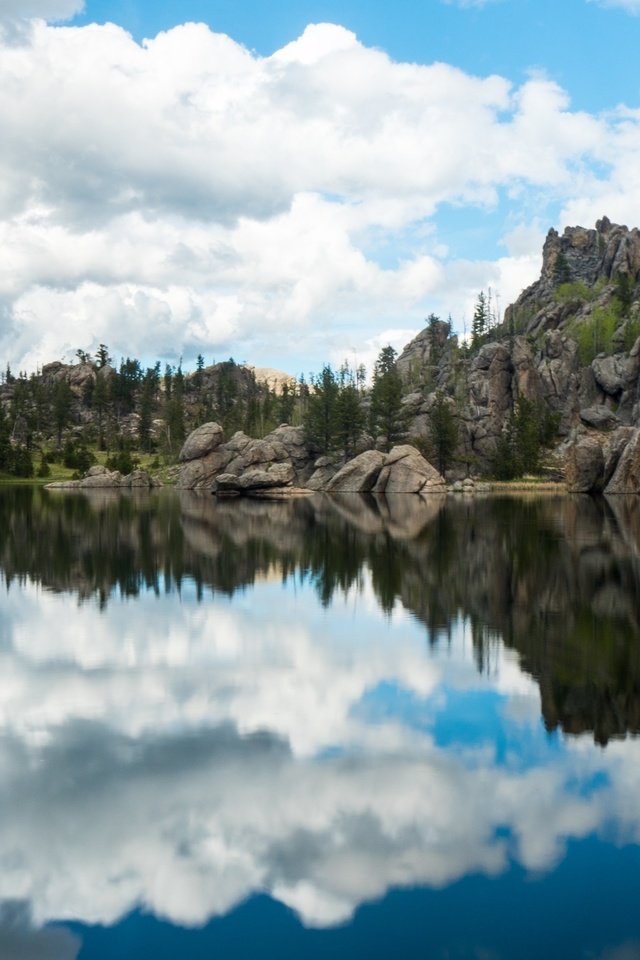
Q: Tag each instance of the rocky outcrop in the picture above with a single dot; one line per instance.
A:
(98, 477)
(604, 463)
(402, 470)
(358, 475)
(626, 477)
(205, 459)
(405, 470)
(584, 469)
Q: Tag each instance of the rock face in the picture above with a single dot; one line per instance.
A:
(604, 463)
(402, 470)
(543, 351)
(626, 478)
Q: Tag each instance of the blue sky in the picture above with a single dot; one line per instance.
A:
(588, 49)
(292, 183)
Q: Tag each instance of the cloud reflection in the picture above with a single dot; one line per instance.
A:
(181, 756)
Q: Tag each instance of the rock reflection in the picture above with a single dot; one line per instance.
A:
(557, 578)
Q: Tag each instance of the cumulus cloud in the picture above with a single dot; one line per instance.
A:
(189, 187)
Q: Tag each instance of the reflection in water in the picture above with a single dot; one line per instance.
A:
(322, 700)
(557, 579)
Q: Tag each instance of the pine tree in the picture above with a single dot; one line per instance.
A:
(62, 401)
(443, 432)
(386, 398)
(100, 401)
(102, 356)
(320, 421)
(350, 419)
(480, 322)
(561, 270)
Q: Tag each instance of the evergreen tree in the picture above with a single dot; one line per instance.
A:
(443, 432)
(147, 395)
(480, 322)
(102, 356)
(386, 398)
(286, 403)
(100, 401)
(62, 402)
(561, 270)
(350, 419)
(320, 419)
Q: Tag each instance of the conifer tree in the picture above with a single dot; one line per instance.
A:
(320, 418)
(386, 398)
(480, 322)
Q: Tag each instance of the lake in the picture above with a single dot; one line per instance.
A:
(335, 727)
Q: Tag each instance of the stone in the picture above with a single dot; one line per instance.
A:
(406, 471)
(277, 475)
(599, 417)
(614, 374)
(322, 475)
(584, 465)
(202, 441)
(626, 477)
(200, 474)
(359, 474)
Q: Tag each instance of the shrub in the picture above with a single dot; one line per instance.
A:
(577, 290)
(122, 461)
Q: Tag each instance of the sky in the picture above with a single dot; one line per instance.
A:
(294, 183)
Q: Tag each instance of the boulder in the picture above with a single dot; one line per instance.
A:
(405, 470)
(359, 474)
(614, 374)
(626, 477)
(584, 466)
(325, 470)
(200, 474)
(599, 417)
(201, 442)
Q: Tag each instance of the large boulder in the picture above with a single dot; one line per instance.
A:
(626, 477)
(584, 465)
(201, 442)
(406, 471)
(200, 474)
(599, 417)
(358, 475)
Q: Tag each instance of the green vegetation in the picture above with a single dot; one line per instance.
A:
(527, 431)
(568, 292)
(385, 413)
(595, 334)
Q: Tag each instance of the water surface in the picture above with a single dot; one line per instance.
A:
(328, 728)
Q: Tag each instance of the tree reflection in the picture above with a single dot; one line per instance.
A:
(556, 579)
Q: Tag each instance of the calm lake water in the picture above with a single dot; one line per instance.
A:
(332, 728)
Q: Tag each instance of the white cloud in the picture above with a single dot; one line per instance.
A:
(200, 747)
(189, 196)
(13, 10)
(630, 6)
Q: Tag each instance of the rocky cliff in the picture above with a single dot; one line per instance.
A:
(570, 345)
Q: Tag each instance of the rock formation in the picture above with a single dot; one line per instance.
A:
(282, 459)
(550, 349)
(98, 477)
